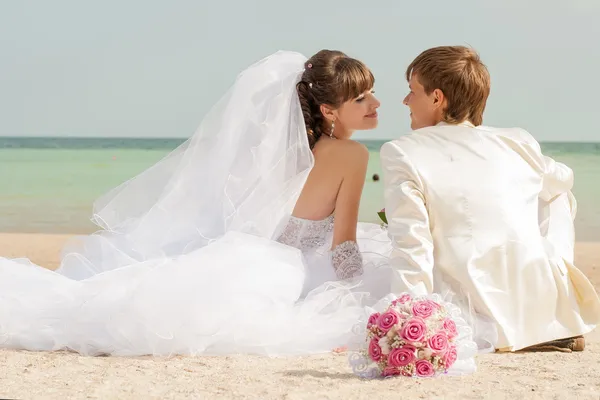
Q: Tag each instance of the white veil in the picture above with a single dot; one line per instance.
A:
(242, 170)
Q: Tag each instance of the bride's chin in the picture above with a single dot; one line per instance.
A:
(371, 124)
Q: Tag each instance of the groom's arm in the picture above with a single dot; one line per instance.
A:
(557, 178)
(408, 223)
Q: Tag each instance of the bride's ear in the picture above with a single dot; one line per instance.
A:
(328, 112)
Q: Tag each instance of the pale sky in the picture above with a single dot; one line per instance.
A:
(148, 68)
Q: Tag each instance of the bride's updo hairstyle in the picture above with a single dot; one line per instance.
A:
(332, 78)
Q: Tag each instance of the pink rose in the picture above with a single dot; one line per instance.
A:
(438, 343)
(374, 350)
(450, 356)
(405, 297)
(390, 371)
(373, 320)
(424, 308)
(387, 320)
(402, 356)
(413, 330)
(424, 368)
(450, 328)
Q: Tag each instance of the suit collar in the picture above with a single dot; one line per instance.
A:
(467, 124)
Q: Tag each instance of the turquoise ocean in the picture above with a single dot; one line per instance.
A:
(48, 185)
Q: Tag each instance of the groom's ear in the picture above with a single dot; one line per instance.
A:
(438, 98)
(327, 112)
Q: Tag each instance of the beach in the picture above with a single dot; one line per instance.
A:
(32, 375)
(219, 251)
(48, 198)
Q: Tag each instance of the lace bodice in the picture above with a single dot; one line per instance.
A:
(308, 235)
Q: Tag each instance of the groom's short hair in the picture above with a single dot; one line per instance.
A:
(459, 73)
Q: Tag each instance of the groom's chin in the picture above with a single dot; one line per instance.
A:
(413, 124)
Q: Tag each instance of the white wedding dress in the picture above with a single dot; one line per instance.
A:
(239, 294)
(200, 254)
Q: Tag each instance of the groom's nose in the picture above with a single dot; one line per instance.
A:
(405, 101)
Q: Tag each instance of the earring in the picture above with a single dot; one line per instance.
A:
(332, 128)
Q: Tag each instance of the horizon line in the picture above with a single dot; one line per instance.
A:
(186, 138)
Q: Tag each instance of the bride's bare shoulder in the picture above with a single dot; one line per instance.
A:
(349, 151)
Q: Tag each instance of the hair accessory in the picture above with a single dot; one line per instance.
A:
(309, 66)
(310, 85)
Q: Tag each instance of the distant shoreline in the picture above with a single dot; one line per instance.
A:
(156, 143)
(183, 139)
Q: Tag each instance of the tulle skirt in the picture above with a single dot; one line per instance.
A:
(239, 294)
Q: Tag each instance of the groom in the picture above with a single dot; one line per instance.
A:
(482, 212)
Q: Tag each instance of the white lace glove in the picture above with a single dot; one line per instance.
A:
(347, 260)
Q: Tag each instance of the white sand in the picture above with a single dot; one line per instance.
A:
(31, 375)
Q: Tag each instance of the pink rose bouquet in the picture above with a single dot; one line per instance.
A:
(413, 337)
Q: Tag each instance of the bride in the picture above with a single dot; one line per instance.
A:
(229, 243)
(244, 239)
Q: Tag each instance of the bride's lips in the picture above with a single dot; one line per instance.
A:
(373, 115)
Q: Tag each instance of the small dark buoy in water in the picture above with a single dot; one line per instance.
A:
(375, 177)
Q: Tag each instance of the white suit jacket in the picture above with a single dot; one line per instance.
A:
(463, 205)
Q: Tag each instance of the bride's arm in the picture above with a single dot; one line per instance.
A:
(345, 256)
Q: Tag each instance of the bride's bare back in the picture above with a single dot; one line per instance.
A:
(335, 184)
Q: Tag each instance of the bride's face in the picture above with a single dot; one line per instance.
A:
(359, 113)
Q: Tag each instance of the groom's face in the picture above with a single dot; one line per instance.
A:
(423, 107)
